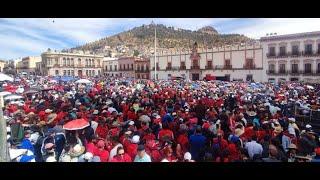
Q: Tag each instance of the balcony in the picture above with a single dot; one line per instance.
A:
(271, 72)
(227, 67)
(295, 72)
(308, 73)
(168, 68)
(183, 67)
(142, 71)
(271, 55)
(158, 68)
(249, 66)
(310, 54)
(209, 67)
(195, 67)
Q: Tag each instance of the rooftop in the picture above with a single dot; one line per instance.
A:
(291, 36)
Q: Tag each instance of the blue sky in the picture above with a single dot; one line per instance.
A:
(31, 36)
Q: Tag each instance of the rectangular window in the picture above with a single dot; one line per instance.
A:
(282, 68)
(294, 68)
(131, 66)
(319, 48)
(72, 72)
(64, 72)
(87, 72)
(282, 51)
(68, 72)
(271, 68)
(272, 51)
(182, 65)
(295, 50)
(106, 68)
(307, 68)
(128, 66)
(110, 67)
(115, 67)
(308, 49)
(249, 63)
(169, 66)
(93, 72)
(57, 72)
(209, 64)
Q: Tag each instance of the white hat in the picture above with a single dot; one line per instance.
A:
(165, 160)
(187, 156)
(95, 112)
(292, 119)
(128, 132)
(48, 111)
(131, 123)
(51, 159)
(135, 139)
(66, 158)
(88, 156)
(308, 126)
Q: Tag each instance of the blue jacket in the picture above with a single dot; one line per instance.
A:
(26, 144)
(197, 143)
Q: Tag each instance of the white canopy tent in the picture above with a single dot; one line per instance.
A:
(83, 81)
(4, 77)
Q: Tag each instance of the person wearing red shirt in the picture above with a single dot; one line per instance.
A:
(101, 152)
(102, 130)
(183, 141)
(149, 135)
(133, 146)
(121, 156)
(165, 132)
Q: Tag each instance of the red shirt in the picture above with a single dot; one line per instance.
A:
(90, 147)
(132, 150)
(102, 131)
(103, 154)
(119, 158)
(165, 132)
(42, 115)
(184, 142)
(148, 137)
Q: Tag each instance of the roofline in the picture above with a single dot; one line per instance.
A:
(290, 36)
(71, 54)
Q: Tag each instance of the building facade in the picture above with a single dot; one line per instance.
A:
(292, 57)
(2, 65)
(110, 66)
(236, 62)
(71, 64)
(134, 67)
(28, 65)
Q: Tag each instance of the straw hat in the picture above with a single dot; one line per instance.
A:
(77, 150)
(238, 132)
(251, 113)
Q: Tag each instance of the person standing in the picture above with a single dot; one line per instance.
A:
(142, 156)
(197, 143)
(253, 147)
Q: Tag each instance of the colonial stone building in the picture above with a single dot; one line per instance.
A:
(71, 64)
(28, 65)
(292, 57)
(236, 62)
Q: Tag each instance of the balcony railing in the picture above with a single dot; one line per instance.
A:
(284, 55)
(158, 68)
(168, 68)
(249, 66)
(271, 72)
(209, 67)
(183, 67)
(227, 67)
(142, 71)
(195, 67)
(295, 72)
(271, 55)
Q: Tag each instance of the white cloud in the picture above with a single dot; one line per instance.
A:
(279, 26)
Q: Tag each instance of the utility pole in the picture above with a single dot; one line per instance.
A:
(4, 153)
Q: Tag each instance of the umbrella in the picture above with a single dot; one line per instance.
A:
(31, 91)
(53, 81)
(83, 81)
(13, 97)
(4, 77)
(5, 93)
(310, 87)
(76, 124)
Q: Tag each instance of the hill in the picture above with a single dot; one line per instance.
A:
(140, 40)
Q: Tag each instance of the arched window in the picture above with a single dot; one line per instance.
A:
(79, 62)
(318, 69)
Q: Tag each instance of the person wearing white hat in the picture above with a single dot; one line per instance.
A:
(187, 157)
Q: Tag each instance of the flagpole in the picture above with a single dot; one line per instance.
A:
(155, 52)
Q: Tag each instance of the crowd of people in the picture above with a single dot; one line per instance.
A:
(163, 121)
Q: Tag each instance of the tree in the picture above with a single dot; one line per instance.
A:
(135, 53)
